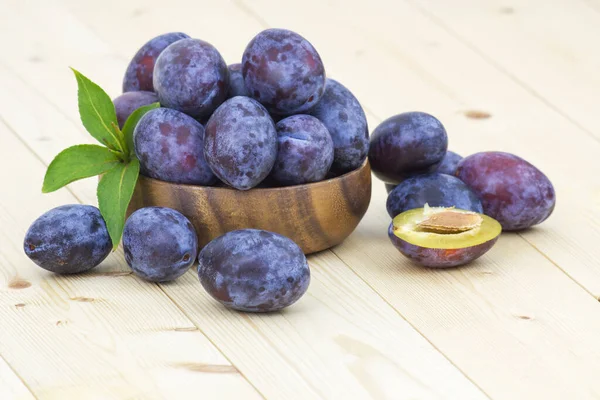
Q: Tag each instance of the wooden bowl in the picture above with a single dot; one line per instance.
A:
(316, 216)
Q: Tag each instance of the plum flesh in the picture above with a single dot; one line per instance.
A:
(443, 244)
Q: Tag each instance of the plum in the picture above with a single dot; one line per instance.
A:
(237, 87)
(305, 150)
(128, 102)
(240, 144)
(140, 71)
(443, 237)
(345, 119)
(449, 163)
(68, 239)
(191, 76)
(254, 270)
(283, 71)
(436, 190)
(512, 191)
(169, 145)
(407, 143)
(160, 244)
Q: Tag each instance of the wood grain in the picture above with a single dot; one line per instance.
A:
(513, 322)
(316, 216)
(280, 361)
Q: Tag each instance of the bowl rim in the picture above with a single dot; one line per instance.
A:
(188, 186)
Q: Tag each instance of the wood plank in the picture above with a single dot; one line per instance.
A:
(358, 351)
(92, 335)
(542, 45)
(11, 386)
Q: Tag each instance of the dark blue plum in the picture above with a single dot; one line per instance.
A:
(140, 71)
(191, 76)
(283, 71)
(160, 244)
(345, 119)
(128, 102)
(305, 150)
(241, 142)
(68, 239)
(237, 87)
(253, 270)
(169, 145)
(449, 163)
(405, 144)
(437, 190)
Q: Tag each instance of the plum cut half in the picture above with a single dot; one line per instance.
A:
(442, 237)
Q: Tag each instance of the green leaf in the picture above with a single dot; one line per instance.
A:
(114, 194)
(98, 114)
(76, 163)
(132, 122)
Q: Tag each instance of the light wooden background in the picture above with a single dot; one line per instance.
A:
(521, 323)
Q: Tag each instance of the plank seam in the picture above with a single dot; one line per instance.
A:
(413, 326)
(210, 340)
(18, 376)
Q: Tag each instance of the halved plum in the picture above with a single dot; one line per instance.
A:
(440, 237)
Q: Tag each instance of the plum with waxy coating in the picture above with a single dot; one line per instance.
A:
(254, 270)
(160, 244)
(240, 144)
(305, 150)
(140, 71)
(191, 76)
(68, 239)
(345, 119)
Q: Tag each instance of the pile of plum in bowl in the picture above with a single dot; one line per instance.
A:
(247, 168)
(270, 143)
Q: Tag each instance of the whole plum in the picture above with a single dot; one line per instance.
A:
(160, 244)
(345, 119)
(405, 144)
(68, 239)
(191, 76)
(437, 190)
(140, 70)
(253, 270)
(283, 71)
(305, 150)
(237, 87)
(169, 145)
(240, 144)
(128, 102)
(512, 191)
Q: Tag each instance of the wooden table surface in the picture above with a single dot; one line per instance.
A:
(523, 322)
